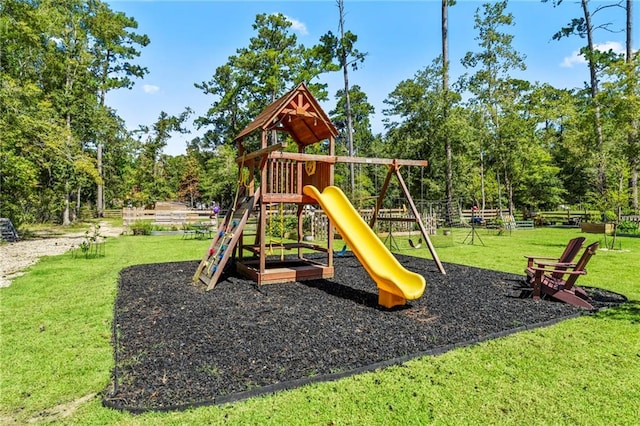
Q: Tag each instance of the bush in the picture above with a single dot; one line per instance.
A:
(164, 228)
(628, 227)
(610, 216)
(90, 244)
(496, 222)
(141, 227)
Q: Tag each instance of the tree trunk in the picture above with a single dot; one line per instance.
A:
(632, 137)
(100, 190)
(508, 185)
(76, 213)
(600, 152)
(66, 218)
(634, 186)
(347, 99)
(499, 190)
(445, 112)
(100, 147)
(482, 194)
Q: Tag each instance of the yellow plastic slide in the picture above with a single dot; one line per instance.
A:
(395, 283)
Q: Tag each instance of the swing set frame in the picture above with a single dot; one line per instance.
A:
(394, 170)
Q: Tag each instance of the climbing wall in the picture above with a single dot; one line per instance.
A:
(223, 243)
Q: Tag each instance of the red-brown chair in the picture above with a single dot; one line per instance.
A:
(567, 256)
(557, 280)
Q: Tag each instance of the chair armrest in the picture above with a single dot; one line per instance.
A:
(543, 270)
(554, 265)
(532, 259)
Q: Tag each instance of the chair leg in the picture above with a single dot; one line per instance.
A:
(537, 284)
(571, 298)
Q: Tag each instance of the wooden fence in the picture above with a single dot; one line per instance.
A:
(164, 217)
(632, 218)
(112, 213)
(382, 226)
(484, 215)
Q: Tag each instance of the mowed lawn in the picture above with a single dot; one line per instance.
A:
(56, 354)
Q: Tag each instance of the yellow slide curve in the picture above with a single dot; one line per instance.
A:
(396, 284)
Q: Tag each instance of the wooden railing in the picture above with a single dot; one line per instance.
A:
(282, 177)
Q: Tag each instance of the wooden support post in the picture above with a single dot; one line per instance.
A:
(262, 220)
(416, 214)
(383, 192)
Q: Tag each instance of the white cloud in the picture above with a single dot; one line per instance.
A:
(150, 89)
(575, 58)
(578, 58)
(298, 26)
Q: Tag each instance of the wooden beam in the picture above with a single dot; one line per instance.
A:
(258, 153)
(396, 219)
(385, 161)
(288, 198)
(332, 159)
(299, 156)
(385, 186)
(416, 214)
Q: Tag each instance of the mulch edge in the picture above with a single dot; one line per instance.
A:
(293, 384)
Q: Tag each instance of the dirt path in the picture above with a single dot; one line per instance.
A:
(18, 256)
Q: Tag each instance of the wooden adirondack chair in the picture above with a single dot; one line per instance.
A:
(545, 280)
(567, 256)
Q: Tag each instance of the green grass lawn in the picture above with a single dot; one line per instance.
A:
(56, 330)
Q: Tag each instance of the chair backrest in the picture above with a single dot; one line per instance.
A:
(582, 264)
(569, 253)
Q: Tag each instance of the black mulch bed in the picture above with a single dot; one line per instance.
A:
(178, 345)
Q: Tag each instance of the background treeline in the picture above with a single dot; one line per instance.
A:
(490, 138)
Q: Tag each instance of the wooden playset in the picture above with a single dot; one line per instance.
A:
(271, 176)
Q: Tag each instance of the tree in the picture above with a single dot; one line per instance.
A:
(446, 106)
(68, 81)
(620, 102)
(362, 136)
(342, 48)
(220, 178)
(584, 27)
(271, 64)
(491, 86)
(361, 111)
(189, 185)
(112, 46)
(416, 128)
(25, 117)
(49, 64)
(150, 178)
(634, 122)
(228, 113)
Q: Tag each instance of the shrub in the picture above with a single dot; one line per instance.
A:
(610, 216)
(141, 227)
(628, 227)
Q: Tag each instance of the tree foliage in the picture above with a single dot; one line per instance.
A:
(272, 63)
(57, 61)
(488, 136)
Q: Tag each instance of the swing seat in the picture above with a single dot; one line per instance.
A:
(341, 252)
(415, 246)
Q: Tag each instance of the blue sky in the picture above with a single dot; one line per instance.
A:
(190, 39)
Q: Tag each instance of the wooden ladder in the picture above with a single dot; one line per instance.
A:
(224, 242)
